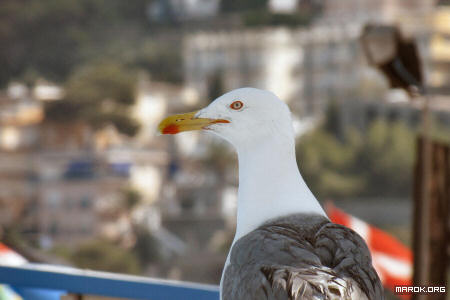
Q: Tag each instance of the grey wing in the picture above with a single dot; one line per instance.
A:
(281, 262)
(276, 282)
(347, 254)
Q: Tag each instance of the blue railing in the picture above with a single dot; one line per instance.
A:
(86, 282)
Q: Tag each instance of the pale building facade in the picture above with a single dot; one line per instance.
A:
(302, 66)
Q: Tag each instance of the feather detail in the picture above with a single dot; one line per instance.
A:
(301, 257)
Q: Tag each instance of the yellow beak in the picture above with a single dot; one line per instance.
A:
(186, 122)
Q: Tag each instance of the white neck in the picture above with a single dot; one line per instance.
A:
(270, 184)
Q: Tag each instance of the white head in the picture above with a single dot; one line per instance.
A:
(259, 126)
(243, 116)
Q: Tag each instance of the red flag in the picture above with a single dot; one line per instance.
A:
(391, 259)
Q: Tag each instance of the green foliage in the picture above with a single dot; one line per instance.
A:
(242, 5)
(61, 251)
(134, 11)
(325, 164)
(33, 38)
(220, 157)
(215, 87)
(131, 198)
(105, 256)
(49, 37)
(333, 119)
(161, 58)
(265, 18)
(388, 152)
(99, 93)
(94, 83)
(256, 13)
(440, 132)
(372, 165)
(147, 247)
(62, 111)
(118, 117)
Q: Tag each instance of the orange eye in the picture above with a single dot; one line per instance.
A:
(236, 105)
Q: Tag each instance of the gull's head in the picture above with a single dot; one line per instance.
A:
(242, 116)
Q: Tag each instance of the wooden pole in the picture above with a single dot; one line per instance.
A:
(431, 213)
(421, 222)
(439, 211)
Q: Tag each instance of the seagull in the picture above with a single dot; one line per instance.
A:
(285, 247)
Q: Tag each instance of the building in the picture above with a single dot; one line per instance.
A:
(413, 12)
(56, 176)
(304, 67)
(439, 53)
(20, 116)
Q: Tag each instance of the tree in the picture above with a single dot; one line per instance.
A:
(39, 35)
(98, 93)
(388, 152)
(50, 38)
(102, 255)
(333, 121)
(215, 86)
(146, 247)
(161, 58)
(378, 163)
(266, 18)
(325, 164)
(131, 199)
(240, 6)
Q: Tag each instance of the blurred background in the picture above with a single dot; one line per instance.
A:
(85, 180)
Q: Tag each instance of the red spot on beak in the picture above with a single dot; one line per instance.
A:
(171, 129)
(220, 121)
